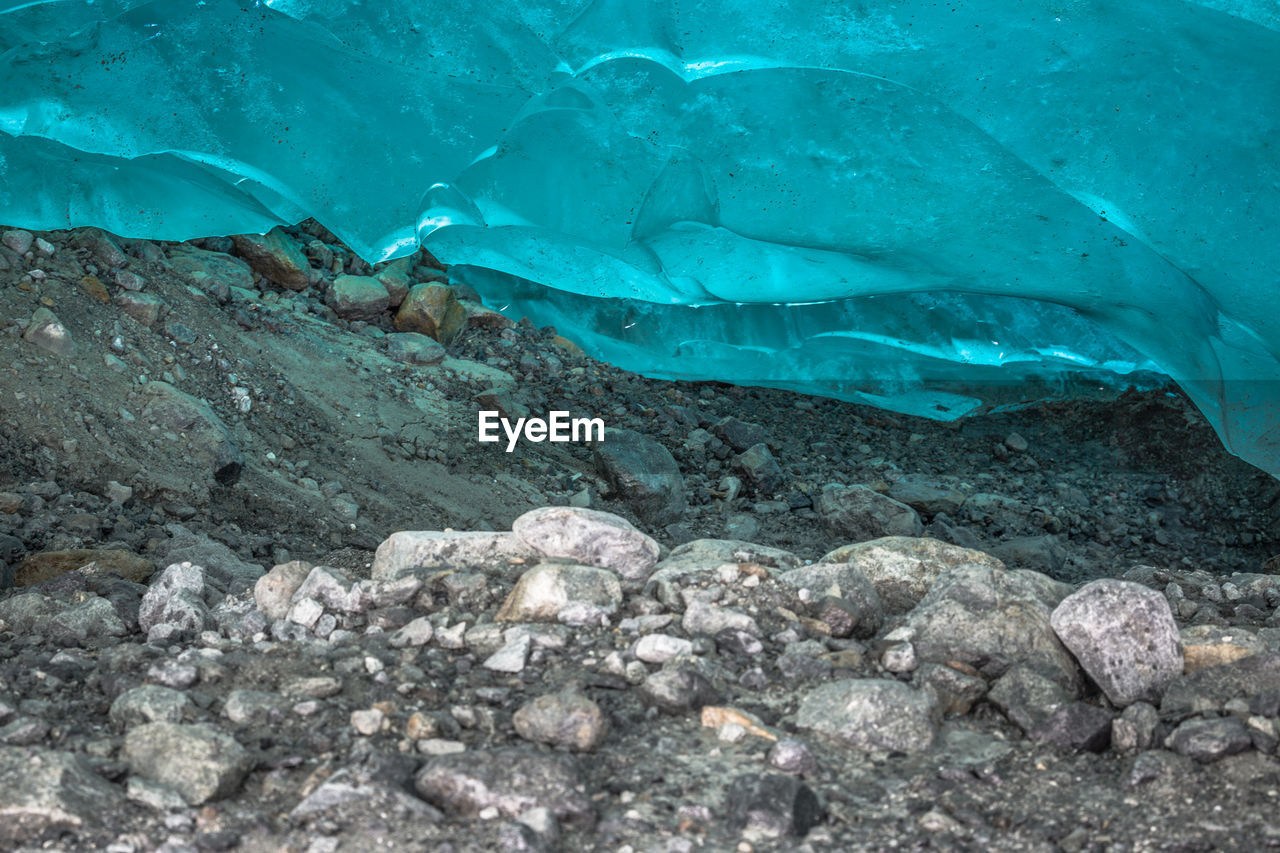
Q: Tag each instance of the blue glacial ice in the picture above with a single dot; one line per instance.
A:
(935, 208)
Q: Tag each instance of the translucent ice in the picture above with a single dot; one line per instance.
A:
(932, 207)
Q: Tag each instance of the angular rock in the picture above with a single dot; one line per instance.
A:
(589, 537)
(859, 514)
(416, 633)
(206, 438)
(1027, 697)
(990, 619)
(759, 468)
(432, 551)
(704, 556)
(366, 790)
(23, 613)
(1076, 726)
(413, 348)
(660, 648)
(1124, 635)
(273, 592)
(903, 569)
(678, 690)
(175, 599)
(92, 619)
(150, 703)
(1207, 740)
(197, 761)
(1134, 730)
(511, 780)
(276, 257)
(871, 714)
(739, 434)
(1210, 689)
(773, 805)
(847, 583)
(432, 310)
(511, 657)
(567, 720)
(206, 269)
(44, 791)
(47, 332)
(146, 308)
(643, 473)
(957, 691)
(547, 589)
(358, 297)
(923, 494)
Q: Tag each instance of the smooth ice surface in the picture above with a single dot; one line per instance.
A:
(909, 203)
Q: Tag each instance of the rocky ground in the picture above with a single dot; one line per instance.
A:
(269, 591)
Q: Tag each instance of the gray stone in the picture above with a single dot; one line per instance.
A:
(253, 706)
(431, 551)
(150, 703)
(224, 572)
(359, 297)
(848, 583)
(567, 720)
(771, 805)
(1077, 726)
(660, 648)
(791, 755)
(47, 332)
(871, 714)
(414, 348)
(206, 438)
(415, 633)
(957, 691)
(1027, 697)
(990, 619)
(43, 791)
(511, 780)
(24, 731)
(709, 620)
(706, 556)
(903, 569)
(365, 790)
(679, 690)
(923, 494)
(739, 434)
(22, 614)
(859, 514)
(512, 656)
(1134, 730)
(197, 761)
(91, 619)
(1038, 553)
(589, 537)
(760, 469)
(1124, 636)
(642, 473)
(1210, 689)
(207, 269)
(1207, 740)
(18, 239)
(546, 590)
(327, 586)
(175, 599)
(146, 308)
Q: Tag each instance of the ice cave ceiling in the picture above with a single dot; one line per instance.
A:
(933, 207)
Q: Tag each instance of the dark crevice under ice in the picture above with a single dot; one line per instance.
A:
(935, 208)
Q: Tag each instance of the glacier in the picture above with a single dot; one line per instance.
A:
(939, 209)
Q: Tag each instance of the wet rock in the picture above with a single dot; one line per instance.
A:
(414, 348)
(589, 537)
(47, 332)
(44, 791)
(1124, 636)
(1076, 726)
(990, 619)
(903, 569)
(432, 310)
(642, 473)
(197, 761)
(852, 606)
(566, 719)
(511, 780)
(175, 600)
(772, 805)
(359, 297)
(858, 513)
(678, 690)
(150, 703)
(546, 590)
(432, 550)
(1207, 740)
(206, 438)
(870, 714)
(276, 257)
